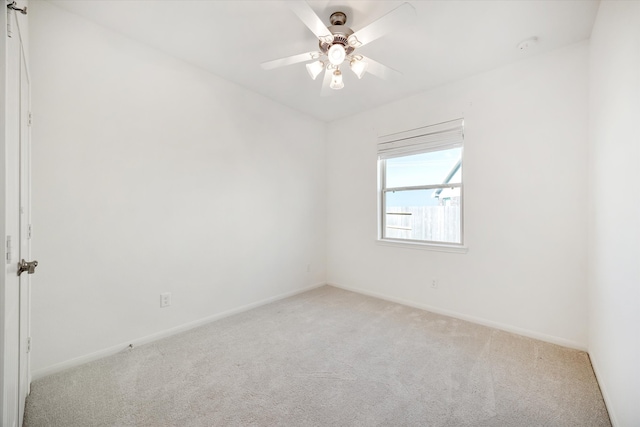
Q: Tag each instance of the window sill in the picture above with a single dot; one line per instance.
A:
(424, 246)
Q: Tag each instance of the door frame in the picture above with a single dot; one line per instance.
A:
(3, 212)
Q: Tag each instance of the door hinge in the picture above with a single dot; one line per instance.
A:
(29, 345)
(30, 118)
(9, 29)
(29, 232)
(8, 250)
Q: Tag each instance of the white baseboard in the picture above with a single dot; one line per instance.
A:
(603, 390)
(485, 322)
(162, 334)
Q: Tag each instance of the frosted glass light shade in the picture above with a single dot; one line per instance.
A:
(359, 67)
(315, 68)
(336, 54)
(336, 80)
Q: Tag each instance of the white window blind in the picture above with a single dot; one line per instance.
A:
(421, 140)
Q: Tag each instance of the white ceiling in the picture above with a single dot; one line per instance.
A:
(447, 41)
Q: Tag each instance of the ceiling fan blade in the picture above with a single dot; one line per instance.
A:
(379, 70)
(289, 60)
(326, 89)
(311, 20)
(397, 18)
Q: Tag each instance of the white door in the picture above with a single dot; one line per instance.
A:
(15, 372)
(25, 232)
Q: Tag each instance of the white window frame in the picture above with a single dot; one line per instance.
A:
(438, 137)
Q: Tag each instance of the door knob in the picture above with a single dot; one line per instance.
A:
(29, 267)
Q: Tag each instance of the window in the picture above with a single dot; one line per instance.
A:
(421, 191)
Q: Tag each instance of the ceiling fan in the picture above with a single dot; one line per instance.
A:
(337, 45)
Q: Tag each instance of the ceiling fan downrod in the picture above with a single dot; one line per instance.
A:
(338, 18)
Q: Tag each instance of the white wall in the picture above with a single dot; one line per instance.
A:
(525, 172)
(152, 176)
(614, 226)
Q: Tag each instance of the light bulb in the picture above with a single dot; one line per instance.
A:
(359, 67)
(336, 54)
(315, 68)
(336, 80)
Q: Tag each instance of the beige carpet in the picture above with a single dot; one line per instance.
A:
(328, 357)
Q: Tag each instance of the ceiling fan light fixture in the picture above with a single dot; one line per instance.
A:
(315, 68)
(337, 54)
(336, 80)
(359, 67)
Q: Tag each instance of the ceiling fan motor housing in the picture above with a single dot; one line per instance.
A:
(340, 33)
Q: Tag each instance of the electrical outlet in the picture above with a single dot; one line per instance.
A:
(434, 283)
(165, 299)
